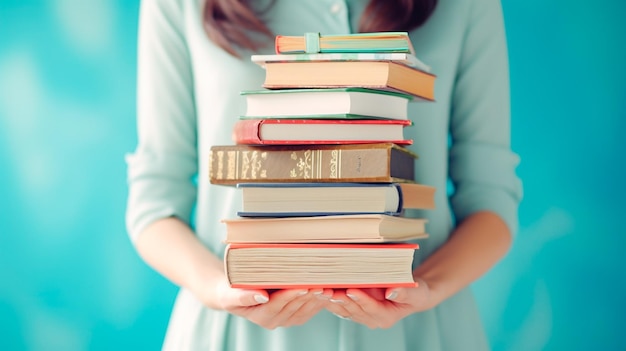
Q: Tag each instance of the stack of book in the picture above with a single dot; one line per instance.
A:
(320, 163)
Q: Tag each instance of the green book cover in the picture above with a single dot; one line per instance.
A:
(325, 103)
(399, 57)
(326, 90)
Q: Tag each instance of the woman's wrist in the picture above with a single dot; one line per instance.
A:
(433, 296)
(472, 249)
(206, 284)
(171, 248)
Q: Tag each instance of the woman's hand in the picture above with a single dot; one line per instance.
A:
(281, 308)
(173, 249)
(381, 308)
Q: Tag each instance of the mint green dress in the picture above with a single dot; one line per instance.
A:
(188, 100)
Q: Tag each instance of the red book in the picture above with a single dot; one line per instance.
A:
(288, 266)
(317, 131)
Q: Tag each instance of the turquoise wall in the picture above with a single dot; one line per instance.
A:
(562, 286)
(69, 279)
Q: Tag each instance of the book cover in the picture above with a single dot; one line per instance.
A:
(365, 74)
(319, 131)
(282, 266)
(363, 228)
(338, 103)
(399, 57)
(322, 199)
(380, 162)
(356, 42)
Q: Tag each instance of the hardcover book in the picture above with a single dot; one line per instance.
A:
(381, 75)
(382, 162)
(319, 131)
(406, 59)
(356, 42)
(316, 199)
(282, 266)
(342, 103)
(357, 228)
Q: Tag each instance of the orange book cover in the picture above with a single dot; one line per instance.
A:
(382, 75)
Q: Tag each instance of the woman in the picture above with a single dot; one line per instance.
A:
(194, 61)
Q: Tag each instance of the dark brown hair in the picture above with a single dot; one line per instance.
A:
(230, 23)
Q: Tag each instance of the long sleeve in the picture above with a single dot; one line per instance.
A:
(482, 165)
(162, 169)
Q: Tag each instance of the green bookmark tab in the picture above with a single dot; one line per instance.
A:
(312, 43)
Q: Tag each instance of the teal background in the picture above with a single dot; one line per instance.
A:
(70, 280)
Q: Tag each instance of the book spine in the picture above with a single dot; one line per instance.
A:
(226, 261)
(277, 42)
(398, 189)
(247, 132)
(230, 165)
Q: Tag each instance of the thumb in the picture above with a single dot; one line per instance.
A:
(399, 295)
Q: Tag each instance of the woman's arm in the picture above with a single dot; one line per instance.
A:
(160, 176)
(171, 248)
(474, 247)
(479, 242)
(482, 168)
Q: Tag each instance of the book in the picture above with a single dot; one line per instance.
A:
(341, 103)
(399, 57)
(356, 228)
(316, 199)
(356, 42)
(319, 131)
(282, 266)
(382, 75)
(381, 162)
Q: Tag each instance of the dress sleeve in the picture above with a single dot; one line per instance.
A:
(161, 171)
(482, 165)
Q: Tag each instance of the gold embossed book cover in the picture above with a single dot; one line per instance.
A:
(380, 162)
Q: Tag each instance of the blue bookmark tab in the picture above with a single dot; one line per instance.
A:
(312, 43)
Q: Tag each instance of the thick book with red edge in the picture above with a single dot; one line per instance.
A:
(288, 266)
(381, 162)
(318, 131)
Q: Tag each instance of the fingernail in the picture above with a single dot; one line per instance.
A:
(318, 292)
(353, 297)
(392, 295)
(302, 293)
(342, 317)
(337, 301)
(322, 297)
(260, 298)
